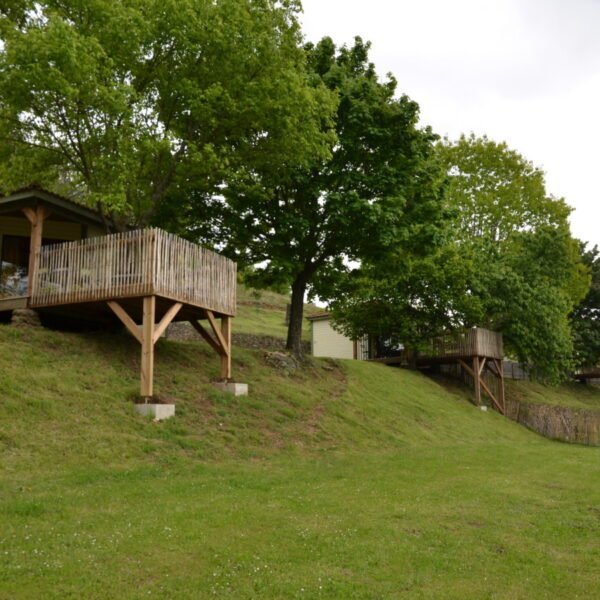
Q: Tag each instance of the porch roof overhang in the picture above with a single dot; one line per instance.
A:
(323, 316)
(61, 207)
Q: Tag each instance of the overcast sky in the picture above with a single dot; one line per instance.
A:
(522, 71)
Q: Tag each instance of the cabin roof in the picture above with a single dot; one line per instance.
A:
(61, 206)
(322, 316)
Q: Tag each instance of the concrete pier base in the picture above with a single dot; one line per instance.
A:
(237, 389)
(159, 412)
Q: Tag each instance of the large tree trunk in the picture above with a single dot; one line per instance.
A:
(294, 338)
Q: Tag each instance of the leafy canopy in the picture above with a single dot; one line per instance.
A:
(125, 101)
(585, 319)
(377, 189)
(527, 272)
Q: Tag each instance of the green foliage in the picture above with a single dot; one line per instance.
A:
(378, 188)
(126, 101)
(496, 191)
(527, 273)
(407, 299)
(585, 319)
(504, 260)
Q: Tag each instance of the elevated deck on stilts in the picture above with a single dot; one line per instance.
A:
(477, 353)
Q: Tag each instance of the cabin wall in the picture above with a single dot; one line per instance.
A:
(326, 342)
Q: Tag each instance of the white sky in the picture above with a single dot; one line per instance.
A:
(522, 71)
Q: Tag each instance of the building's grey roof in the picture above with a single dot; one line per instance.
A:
(323, 316)
(33, 195)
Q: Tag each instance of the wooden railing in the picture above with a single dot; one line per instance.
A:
(472, 342)
(133, 264)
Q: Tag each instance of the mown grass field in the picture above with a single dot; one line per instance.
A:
(344, 480)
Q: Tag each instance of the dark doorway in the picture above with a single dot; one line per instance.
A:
(14, 264)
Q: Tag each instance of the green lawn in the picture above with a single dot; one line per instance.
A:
(346, 480)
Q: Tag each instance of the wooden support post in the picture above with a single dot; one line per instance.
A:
(482, 384)
(36, 218)
(499, 367)
(147, 337)
(226, 358)
(211, 342)
(131, 325)
(477, 380)
(166, 320)
(147, 371)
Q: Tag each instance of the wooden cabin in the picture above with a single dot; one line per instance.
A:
(329, 343)
(58, 257)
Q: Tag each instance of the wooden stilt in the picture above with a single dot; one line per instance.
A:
(147, 337)
(477, 380)
(211, 341)
(147, 370)
(498, 364)
(482, 384)
(226, 358)
(36, 218)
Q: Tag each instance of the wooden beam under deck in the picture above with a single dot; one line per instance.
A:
(15, 303)
(149, 332)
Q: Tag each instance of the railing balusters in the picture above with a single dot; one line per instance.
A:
(134, 264)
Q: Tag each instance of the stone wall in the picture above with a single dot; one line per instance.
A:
(184, 331)
(574, 425)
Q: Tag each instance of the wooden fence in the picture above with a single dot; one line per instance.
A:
(134, 264)
(472, 342)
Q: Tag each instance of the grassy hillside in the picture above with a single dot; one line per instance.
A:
(262, 312)
(574, 395)
(344, 480)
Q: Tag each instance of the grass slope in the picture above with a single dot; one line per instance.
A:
(262, 312)
(346, 480)
(573, 395)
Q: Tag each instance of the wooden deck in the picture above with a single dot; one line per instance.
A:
(477, 354)
(587, 374)
(465, 344)
(135, 264)
(145, 278)
(13, 302)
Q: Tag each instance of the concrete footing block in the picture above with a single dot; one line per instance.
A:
(237, 389)
(159, 412)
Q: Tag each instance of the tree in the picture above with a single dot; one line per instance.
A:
(408, 297)
(378, 189)
(529, 275)
(495, 191)
(126, 101)
(585, 319)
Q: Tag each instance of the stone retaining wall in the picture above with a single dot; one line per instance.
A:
(574, 425)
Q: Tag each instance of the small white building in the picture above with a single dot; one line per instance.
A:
(327, 342)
